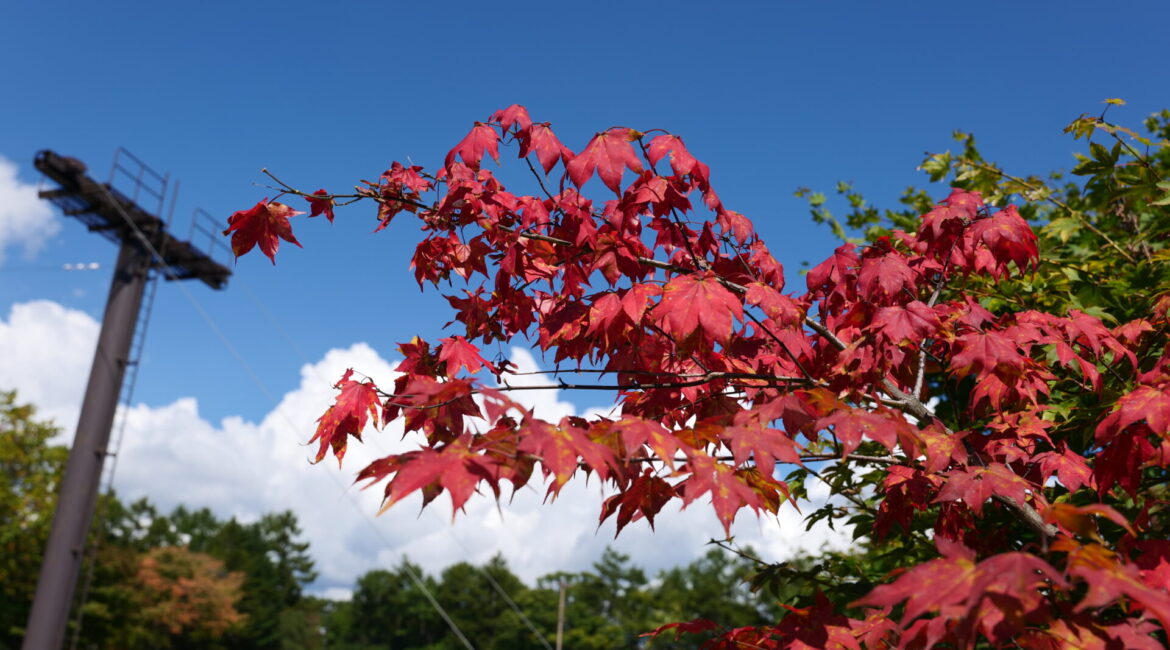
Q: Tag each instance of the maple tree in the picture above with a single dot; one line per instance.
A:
(982, 381)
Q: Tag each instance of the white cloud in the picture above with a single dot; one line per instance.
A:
(26, 221)
(47, 350)
(244, 469)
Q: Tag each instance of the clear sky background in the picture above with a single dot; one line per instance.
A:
(771, 95)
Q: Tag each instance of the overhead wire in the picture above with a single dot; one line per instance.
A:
(264, 390)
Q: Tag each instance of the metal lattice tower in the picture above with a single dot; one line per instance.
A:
(146, 248)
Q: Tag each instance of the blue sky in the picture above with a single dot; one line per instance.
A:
(771, 95)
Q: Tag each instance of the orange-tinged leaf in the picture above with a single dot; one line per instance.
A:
(1144, 403)
(1109, 579)
(1076, 519)
(637, 432)
(750, 436)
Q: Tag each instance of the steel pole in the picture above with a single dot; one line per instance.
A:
(77, 497)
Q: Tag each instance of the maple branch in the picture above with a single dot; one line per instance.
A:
(539, 180)
(655, 373)
(725, 544)
(920, 375)
(845, 493)
(861, 458)
(1030, 516)
(915, 407)
(699, 381)
(288, 189)
(1057, 202)
(824, 331)
(700, 262)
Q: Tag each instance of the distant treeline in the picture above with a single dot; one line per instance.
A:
(188, 579)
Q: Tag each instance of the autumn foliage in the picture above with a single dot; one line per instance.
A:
(1020, 436)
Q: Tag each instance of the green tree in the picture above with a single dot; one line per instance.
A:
(388, 610)
(1102, 232)
(31, 468)
(276, 567)
(713, 587)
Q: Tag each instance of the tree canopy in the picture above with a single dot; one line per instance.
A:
(980, 379)
(184, 580)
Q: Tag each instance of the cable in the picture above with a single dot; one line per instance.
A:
(264, 390)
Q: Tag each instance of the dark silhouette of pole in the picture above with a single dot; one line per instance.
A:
(144, 245)
(77, 498)
(561, 616)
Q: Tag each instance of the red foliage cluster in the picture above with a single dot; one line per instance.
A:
(720, 377)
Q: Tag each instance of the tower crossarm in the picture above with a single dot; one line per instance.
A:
(105, 210)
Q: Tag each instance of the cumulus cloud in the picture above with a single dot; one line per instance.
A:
(47, 350)
(236, 467)
(26, 222)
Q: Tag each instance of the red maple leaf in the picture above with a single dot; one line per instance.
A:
(266, 223)
(697, 300)
(514, 114)
(852, 425)
(609, 153)
(454, 467)
(458, 353)
(776, 305)
(356, 405)
(637, 432)
(1144, 403)
(1109, 579)
(886, 276)
(1009, 239)
(913, 322)
(737, 224)
(981, 353)
(681, 161)
(539, 139)
(471, 148)
(644, 497)
(321, 205)
(1068, 466)
(750, 435)
(974, 486)
(729, 492)
(928, 586)
(559, 448)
